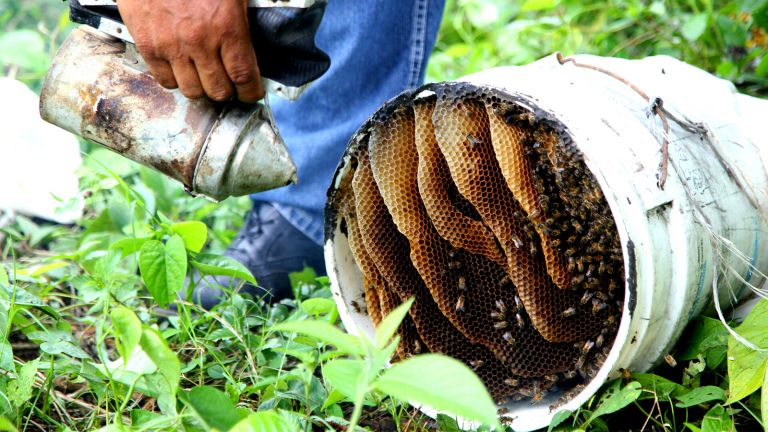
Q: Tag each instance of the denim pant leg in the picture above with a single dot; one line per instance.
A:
(378, 49)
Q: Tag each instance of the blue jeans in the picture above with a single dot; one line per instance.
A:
(378, 49)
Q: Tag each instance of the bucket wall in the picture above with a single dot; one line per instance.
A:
(701, 233)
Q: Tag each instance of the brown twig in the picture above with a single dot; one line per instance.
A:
(656, 108)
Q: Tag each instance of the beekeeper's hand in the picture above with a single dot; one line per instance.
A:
(203, 47)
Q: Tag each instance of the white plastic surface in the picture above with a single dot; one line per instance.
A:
(39, 160)
(666, 237)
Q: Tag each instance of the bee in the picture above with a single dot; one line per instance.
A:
(504, 280)
(571, 311)
(586, 297)
(626, 375)
(570, 252)
(501, 411)
(416, 347)
(610, 321)
(520, 322)
(497, 315)
(612, 285)
(460, 304)
(507, 336)
(580, 362)
(571, 264)
(453, 265)
(516, 241)
(473, 141)
(552, 378)
(476, 364)
(580, 264)
(535, 214)
(599, 341)
(597, 306)
(512, 382)
(356, 306)
(577, 280)
(538, 393)
(670, 360)
(533, 249)
(452, 253)
(501, 306)
(462, 283)
(590, 271)
(500, 325)
(587, 346)
(517, 301)
(577, 226)
(571, 374)
(556, 243)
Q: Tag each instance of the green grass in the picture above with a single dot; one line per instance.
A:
(82, 348)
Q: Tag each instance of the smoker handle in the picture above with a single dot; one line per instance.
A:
(284, 39)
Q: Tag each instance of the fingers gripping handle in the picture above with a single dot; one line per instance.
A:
(283, 32)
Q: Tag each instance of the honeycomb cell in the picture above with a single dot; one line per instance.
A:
(483, 211)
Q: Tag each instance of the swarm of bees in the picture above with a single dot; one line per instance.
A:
(484, 212)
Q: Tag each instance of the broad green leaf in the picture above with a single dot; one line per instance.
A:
(616, 398)
(659, 387)
(694, 26)
(717, 419)
(194, 234)
(306, 276)
(318, 306)
(127, 328)
(265, 421)
(6, 354)
(325, 332)
(129, 245)
(6, 425)
(745, 365)
(20, 389)
(213, 408)
(442, 383)
(163, 268)
(558, 418)
(23, 297)
(55, 342)
(153, 344)
(692, 427)
(390, 323)
(344, 375)
(700, 395)
(218, 265)
(24, 48)
(534, 5)
(705, 336)
(447, 424)
(764, 397)
(4, 277)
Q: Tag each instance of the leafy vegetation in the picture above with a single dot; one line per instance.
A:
(84, 346)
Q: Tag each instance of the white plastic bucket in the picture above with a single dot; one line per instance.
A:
(715, 197)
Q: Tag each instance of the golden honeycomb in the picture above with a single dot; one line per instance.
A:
(483, 211)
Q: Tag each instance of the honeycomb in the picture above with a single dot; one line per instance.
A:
(484, 212)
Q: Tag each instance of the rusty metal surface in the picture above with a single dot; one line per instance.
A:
(92, 91)
(98, 88)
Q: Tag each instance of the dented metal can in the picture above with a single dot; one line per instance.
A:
(98, 88)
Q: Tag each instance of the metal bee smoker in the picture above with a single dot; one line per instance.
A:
(98, 87)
